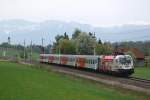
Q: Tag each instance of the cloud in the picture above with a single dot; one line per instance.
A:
(95, 12)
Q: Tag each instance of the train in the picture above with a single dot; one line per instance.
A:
(121, 65)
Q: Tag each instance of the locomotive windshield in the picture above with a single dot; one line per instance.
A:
(125, 60)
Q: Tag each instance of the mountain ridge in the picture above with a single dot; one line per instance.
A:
(20, 30)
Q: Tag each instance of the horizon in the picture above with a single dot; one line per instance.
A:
(35, 31)
(103, 26)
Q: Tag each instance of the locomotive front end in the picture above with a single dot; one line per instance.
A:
(124, 63)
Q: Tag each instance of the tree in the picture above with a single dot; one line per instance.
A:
(103, 49)
(58, 37)
(5, 45)
(99, 49)
(99, 41)
(66, 36)
(66, 47)
(76, 33)
(24, 55)
(85, 44)
(55, 44)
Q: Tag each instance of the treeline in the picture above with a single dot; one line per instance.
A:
(80, 43)
(87, 44)
(35, 48)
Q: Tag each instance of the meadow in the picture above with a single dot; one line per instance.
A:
(13, 52)
(142, 72)
(23, 82)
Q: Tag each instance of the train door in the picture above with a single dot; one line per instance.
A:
(105, 63)
(51, 59)
(81, 62)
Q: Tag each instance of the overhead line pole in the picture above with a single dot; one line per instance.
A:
(42, 45)
(24, 49)
(31, 51)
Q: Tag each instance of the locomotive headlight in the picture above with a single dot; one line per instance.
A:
(120, 67)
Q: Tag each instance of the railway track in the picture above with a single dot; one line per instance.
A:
(141, 82)
(133, 83)
(137, 83)
(140, 79)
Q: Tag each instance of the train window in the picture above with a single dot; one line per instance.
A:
(87, 61)
(95, 61)
(70, 59)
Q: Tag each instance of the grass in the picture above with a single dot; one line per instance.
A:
(14, 52)
(21, 82)
(142, 72)
(11, 52)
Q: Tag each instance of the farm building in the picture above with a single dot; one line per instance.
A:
(134, 52)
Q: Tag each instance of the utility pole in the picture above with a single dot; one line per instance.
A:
(42, 45)
(9, 40)
(31, 51)
(24, 50)
(94, 38)
(51, 47)
(94, 51)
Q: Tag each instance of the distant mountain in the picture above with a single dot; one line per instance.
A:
(19, 30)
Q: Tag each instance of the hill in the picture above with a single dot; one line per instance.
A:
(19, 30)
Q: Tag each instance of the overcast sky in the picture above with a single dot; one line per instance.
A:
(94, 12)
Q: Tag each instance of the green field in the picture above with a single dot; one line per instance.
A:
(142, 72)
(14, 52)
(21, 82)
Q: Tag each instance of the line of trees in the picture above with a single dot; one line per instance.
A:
(80, 43)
